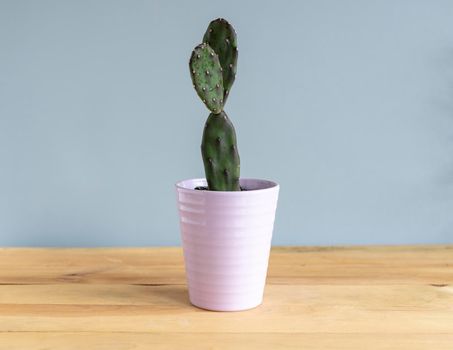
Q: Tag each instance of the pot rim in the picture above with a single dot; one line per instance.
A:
(262, 184)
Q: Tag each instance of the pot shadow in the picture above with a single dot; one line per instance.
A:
(171, 294)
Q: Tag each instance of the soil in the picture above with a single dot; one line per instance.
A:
(205, 188)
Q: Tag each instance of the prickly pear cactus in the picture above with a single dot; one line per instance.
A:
(213, 70)
(221, 36)
(206, 73)
(220, 154)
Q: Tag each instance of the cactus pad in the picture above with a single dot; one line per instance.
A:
(221, 36)
(206, 73)
(220, 154)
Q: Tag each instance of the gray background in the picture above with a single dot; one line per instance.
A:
(347, 104)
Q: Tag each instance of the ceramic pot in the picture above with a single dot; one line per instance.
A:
(226, 238)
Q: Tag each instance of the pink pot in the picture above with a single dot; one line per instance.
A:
(226, 238)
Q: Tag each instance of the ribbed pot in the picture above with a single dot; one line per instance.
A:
(226, 238)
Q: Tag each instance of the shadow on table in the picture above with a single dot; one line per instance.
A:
(169, 294)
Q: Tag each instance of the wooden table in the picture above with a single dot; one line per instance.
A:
(316, 298)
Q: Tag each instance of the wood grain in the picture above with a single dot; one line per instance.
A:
(316, 298)
(221, 341)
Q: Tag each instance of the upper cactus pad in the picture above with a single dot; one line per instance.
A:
(206, 73)
(221, 36)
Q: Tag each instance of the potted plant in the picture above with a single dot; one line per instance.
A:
(226, 221)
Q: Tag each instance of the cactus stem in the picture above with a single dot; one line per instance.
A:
(223, 172)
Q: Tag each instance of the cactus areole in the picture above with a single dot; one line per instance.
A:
(213, 71)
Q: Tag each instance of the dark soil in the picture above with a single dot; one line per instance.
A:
(205, 188)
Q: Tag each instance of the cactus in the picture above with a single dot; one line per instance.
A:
(207, 79)
(221, 36)
(213, 70)
(220, 154)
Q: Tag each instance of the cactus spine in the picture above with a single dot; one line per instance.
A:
(213, 71)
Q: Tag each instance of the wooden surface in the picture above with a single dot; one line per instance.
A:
(316, 298)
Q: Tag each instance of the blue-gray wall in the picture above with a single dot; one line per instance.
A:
(348, 104)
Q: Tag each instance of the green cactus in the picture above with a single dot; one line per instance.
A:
(221, 36)
(213, 70)
(207, 79)
(220, 154)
